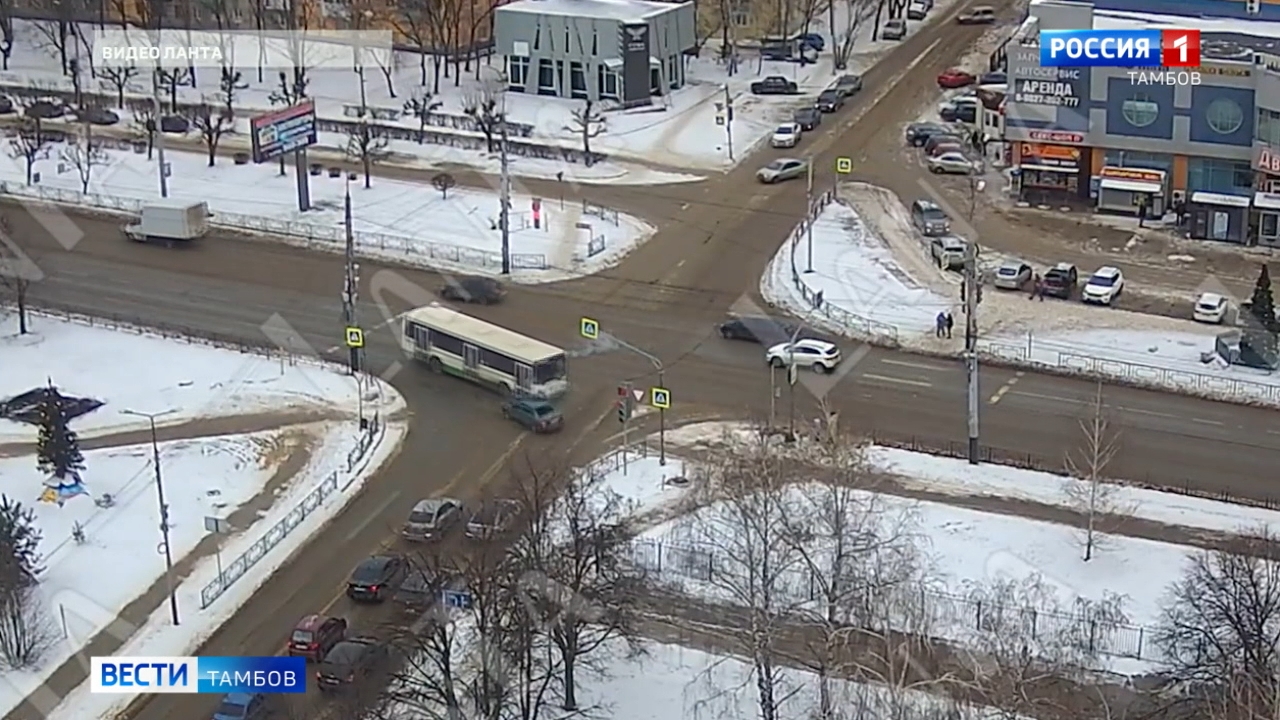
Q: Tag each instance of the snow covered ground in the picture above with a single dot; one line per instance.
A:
(393, 220)
(678, 131)
(878, 281)
(87, 583)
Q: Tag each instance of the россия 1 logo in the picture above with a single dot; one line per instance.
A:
(1120, 48)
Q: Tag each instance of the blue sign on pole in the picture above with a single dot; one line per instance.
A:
(457, 599)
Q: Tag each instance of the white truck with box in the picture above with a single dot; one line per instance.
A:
(170, 222)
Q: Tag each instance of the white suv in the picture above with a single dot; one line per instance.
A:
(1104, 287)
(817, 354)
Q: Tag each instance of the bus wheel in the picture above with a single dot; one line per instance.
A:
(434, 365)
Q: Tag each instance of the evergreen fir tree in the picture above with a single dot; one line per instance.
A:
(20, 561)
(57, 446)
(1263, 305)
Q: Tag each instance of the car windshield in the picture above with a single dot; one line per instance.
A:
(550, 370)
(785, 130)
(829, 95)
(1208, 304)
(543, 410)
(302, 636)
(933, 214)
(1009, 270)
(1106, 281)
(421, 518)
(776, 165)
(232, 710)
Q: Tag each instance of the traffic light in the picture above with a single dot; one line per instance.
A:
(624, 410)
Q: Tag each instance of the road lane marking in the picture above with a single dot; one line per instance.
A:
(910, 364)
(1077, 401)
(1202, 421)
(382, 508)
(899, 381)
(1006, 387)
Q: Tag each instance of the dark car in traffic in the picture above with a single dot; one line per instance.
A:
(538, 416)
(919, 133)
(1060, 281)
(774, 85)
(350, 661)
(376, 578)
(758, 329)
(473, 289)
(808, 118)
(830, 101)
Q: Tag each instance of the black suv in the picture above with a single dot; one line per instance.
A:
(376, 578)
(350, 661)
(1060, 281)
(807, 118)
(473, 289)
(830, 101)
(919, 133)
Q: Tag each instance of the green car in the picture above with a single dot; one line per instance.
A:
(539, 416)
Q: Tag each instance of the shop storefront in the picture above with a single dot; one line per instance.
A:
(1268, 206)
(1125, 190)
(1050, 173)
(1215, 216)
(1266, 201)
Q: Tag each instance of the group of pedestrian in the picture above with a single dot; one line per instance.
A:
(944, 323)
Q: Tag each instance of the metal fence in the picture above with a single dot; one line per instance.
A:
(332, 239)
(949, 613)
(336, 481)
(1214, 387)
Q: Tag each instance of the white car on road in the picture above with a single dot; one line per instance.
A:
(1104, 286)
(786, 136)
(1210, 308)
(817, 354)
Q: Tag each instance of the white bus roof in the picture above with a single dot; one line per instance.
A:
(486, 334)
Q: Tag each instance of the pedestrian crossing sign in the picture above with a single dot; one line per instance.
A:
(588, 328)
(844, 166)
(355, 337)
(660, 398)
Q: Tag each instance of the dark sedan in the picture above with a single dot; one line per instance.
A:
(764, 330)
(830, 101)
(808, 118)
(919, 133)
(473, 289)
(376, 578)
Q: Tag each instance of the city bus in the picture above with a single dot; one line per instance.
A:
(470, 348)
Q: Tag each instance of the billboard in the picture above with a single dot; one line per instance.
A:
(283, 131)
(635, 63)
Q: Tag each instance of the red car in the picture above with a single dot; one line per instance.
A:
(953, 78)
(315, 635)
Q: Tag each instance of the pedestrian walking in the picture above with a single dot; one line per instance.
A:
(951, 323)
(1142, 211)
(1035, 287)
(940, 326)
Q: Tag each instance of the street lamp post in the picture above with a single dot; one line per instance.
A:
(164, 507)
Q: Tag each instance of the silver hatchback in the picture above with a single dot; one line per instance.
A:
(782, 169)
(431, 518)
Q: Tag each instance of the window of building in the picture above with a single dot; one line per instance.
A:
(1268, 127)
(537, 38)
(1138, 159)
(1228, 177)
(595, 43)
(1224, 116)
(1270, 225)
(517, 71)
(577, 81)
(607, 81)
(546, 77)
(740, 12)
(566, 37)
(1140, 110)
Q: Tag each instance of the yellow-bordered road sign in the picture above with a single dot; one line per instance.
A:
(588, 328)
(844, 166)
(354, 337)
(660, 398)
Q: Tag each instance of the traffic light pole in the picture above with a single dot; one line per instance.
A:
(624, 414)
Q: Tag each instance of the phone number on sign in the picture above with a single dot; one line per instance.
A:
(1069, 101)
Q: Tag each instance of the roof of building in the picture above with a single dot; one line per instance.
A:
(1220, 38)
(623, 10)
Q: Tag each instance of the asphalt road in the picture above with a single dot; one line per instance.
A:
(716, 238)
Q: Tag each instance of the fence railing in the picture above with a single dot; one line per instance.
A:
(336, 481)
(321, 237)
(949, 613)
(1060, 362)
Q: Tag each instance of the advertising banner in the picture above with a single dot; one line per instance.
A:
(635, 62)
(283, 131)
(1062, 92)
(1266, 159)
(1056, 156)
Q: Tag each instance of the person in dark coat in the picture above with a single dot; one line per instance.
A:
(1035, 286)
(951, 323)
(940, 325)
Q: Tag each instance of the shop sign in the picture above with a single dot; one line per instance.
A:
(1054, 136)
(1223, 70)
(1050, 155)
(1135, 174)
(1270, 201)
(1266, 159)
(1062, 90)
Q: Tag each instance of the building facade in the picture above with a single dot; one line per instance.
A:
(1244, 9)
(1266, 158)
(1125, 146)
(623, 50)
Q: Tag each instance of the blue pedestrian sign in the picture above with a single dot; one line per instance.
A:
(660, 398)
(588, 328)
(456, 599)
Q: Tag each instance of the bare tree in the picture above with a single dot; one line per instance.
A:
(29, 143)
(444, 182)
(420, 105)
(170, 81)
(6, 33)
(17, 271)
(212, 121)
(55, 32)
(367, 143)
(388, 63)
(1220, 629)
(483, 104)
(1086, 488)
(588, 123)
(83, 155)
(119, 76)
(26, 632)
(146, 120)
(844, 35)
(293, 83)
(413, 20)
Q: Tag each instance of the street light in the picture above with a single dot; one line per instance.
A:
(164, 507)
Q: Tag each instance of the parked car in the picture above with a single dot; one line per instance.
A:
(960, 110)
(847, 85)
(241, 706)
(948, 138)
(430, 518)
(830, 101)
(980, 15)
(786, 135)
(1104, 286)
(6, 105)
(374, 579)
(175, 124)
(1210, 308)
(1060, 281)
(350, 661)
(774, 85)
(782, 169)
(98, 116)
(993, 78)
(917, 10)
(1012, 275)
(493, 518)
(45, 110)
(929, 219)
(758, 329)
(314, 635)
(537, 416)
(944, 147)
(894, 29)
(808, 118)
(951, 163)
(953, 78)
(473, 289)
(419, 590)
(948, 252)
(817, 354)
(919, 133)
(813, 40)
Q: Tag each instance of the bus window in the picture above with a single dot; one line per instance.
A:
(549, 370)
